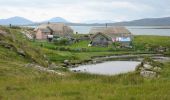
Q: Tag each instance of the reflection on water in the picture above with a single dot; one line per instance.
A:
(108, 68)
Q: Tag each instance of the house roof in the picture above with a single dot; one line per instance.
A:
(57, 28)
(110, 30)
(99, 33)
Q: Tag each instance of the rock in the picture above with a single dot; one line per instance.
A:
(64, 65)
(148, 74)
(8, 46)
(157, 69)
(97, 61)
(147, 66)
(41, 68)
(21, 52)
(45, 56)
(66, 62)
(29, 65)
(53, 66)
(76, 70)
(3, 33)
(76, 65)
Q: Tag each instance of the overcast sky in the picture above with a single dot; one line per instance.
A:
(84, 10)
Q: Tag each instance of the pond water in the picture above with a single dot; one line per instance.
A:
(108, 68)
(118, 65)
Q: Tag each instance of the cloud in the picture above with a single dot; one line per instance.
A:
(78, 10)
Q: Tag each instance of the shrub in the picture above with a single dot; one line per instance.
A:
(15, 27)
(60, 41)
(116, 44)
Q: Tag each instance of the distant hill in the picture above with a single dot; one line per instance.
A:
(15, 21)
(57, 19)
(98, 21)
(165, 21)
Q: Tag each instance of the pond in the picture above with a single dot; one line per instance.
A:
(108, 68)
(113, 65)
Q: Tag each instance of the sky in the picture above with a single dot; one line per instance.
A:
(85, 10)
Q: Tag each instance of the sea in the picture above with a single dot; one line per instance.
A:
(135, 30)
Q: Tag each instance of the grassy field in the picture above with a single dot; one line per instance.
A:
(80, 51)
(142, 42)
(18, 82)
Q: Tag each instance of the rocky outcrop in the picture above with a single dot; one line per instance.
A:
(41, 68)
(15, 41)
(149, 68)
(148, 74)
(3, 32)
(21, 52)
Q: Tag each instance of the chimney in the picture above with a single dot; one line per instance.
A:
(106, 25)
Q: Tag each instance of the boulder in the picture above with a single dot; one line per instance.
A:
(96, 61)
(148, 74)
(66, 62)
(41, 68)
(45, 56)
(157, 69)
(3, 32)
(147, 66)
(21, 52)
(53, 66)
(29, 65)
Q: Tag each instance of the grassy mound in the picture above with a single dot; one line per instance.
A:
(15, 41)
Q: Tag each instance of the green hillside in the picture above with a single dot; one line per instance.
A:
(19, 82)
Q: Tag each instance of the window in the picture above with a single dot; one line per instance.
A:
(101, 38)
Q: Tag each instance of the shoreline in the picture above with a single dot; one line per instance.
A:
(117, 57)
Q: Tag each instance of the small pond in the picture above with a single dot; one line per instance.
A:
(108, 68)
(117, 66)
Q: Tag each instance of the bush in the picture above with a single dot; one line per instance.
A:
(116, 44)
(15, 27)
(63, 49)
(60, 41)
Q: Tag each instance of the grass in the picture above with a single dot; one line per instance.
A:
(17, 42)
(18, 82)
(80, 51)
(142, 42)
